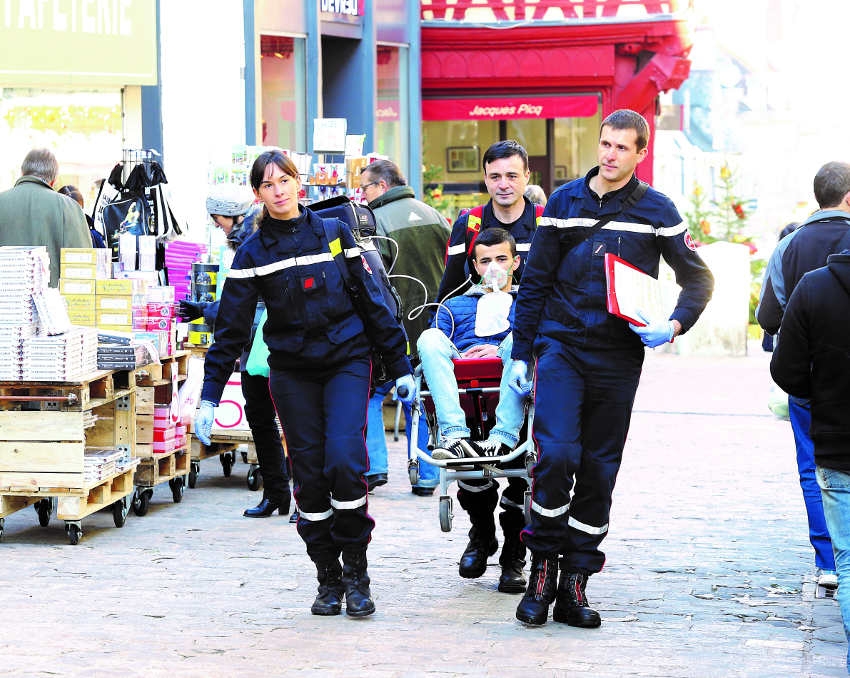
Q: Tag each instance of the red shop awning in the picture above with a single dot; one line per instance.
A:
(507, 108)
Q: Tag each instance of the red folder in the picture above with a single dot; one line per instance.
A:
(631, 292)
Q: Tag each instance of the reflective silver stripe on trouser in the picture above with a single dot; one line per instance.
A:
(506, 503)
(279, 266)
(475, 488)
(587, 529)
(456, 249)
(549, 513)
(348, 505)
(315, 517)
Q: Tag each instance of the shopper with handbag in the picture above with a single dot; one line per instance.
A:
(232, 209)
(320, 338)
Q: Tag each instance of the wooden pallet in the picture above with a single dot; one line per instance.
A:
(169, 367)
(74, 504)
(46, 449)
(77, 505)
(162, 467)
(92, 390)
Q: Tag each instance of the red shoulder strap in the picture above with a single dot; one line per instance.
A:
(473, 226)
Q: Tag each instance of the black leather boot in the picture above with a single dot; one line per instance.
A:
(512, 560)
(542, 586)
(571, 606)
(358, 597)
(482, 544)
(331, 589)
(266, 507)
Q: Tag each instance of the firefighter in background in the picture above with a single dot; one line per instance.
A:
(506, 176)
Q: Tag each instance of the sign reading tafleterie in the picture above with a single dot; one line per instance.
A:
(342, 7)
(508, 108)
(78, 42)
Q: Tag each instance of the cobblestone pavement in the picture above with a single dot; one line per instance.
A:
(709, 571)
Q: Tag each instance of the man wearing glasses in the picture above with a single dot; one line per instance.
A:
(412, 239)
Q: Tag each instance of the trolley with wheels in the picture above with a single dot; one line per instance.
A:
(229, 446)
(161, 444)
(49, 434)
(478, 387)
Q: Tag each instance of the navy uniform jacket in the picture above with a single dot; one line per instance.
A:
(563, 291)
(312, 322)
(456, 250)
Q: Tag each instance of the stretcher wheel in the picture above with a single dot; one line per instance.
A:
(255, 478)
(194, 472)
(44, 508)
(244, 455)
(446, 514)
(413, 472)
(530, 461)
(176, 485)
(120, 509)
(227, 459)
(141, 502)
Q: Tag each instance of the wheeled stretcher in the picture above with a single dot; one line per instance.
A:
(478, 387)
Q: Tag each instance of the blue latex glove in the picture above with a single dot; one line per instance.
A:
(204, 421)
(654, 333)
(518, 377)
(405, 389)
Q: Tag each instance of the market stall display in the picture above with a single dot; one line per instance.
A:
(161, 444)
(67, 446)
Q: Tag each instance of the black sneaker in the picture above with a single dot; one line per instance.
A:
(458, 448)
(492, 447)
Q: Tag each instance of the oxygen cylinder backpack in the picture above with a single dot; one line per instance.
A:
(361, 220)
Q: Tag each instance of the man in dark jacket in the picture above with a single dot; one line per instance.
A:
(477, 324)
(415, 260)
(506, 176)
(588, 360)
(32, 213)
(812, 361)
(825, 232)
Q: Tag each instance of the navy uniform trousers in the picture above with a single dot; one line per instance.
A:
(323, 415)
(583, 405)
(261, 416)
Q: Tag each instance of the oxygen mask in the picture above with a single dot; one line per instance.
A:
(495, 277)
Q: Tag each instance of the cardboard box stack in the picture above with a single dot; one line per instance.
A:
(23, 272)
(130, 309)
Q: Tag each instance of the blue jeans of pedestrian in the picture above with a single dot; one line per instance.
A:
(376, 439)
(835, 490)
(437, 352)
(800, 413)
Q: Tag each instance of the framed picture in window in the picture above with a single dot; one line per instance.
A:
(462, 158)
(560, 171)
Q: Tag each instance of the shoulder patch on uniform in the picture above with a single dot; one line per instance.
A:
(689, 241)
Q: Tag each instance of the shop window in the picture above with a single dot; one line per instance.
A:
(83, 129)
(392, 114)
(574, 152)
(283, 91)
(559, 149)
